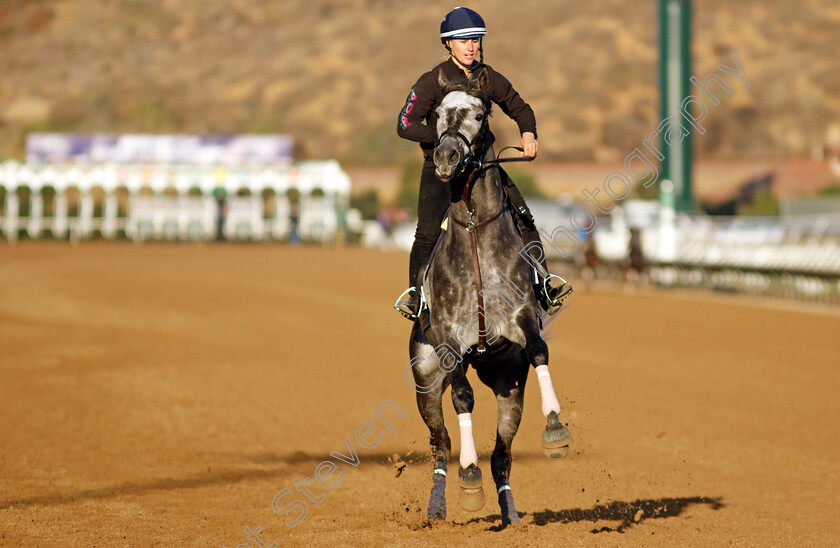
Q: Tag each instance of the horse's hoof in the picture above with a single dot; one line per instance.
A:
(556, 438)
(436, 516)
(437, 500)
(509, 514)
(471, 494)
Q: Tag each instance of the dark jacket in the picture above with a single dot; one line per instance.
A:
(426, 95)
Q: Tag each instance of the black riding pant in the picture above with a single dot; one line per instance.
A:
(435, 197)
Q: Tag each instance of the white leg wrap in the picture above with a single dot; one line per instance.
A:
(549, 398)
(468, 454)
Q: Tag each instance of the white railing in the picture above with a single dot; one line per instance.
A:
(802, 244)
(181, 202)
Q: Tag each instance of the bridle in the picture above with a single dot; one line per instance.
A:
(469, 151)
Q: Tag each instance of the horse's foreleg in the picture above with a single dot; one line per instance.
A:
(430, 383)
(508, 383)
(431, 410)
(469, 474)
(556, 437)
(463, 400)
(538, 356)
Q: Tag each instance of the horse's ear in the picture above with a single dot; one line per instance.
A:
(481, 79)
(443, 80)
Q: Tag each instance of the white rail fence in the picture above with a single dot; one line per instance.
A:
(183, 202)
(803, 244)
(792, 256)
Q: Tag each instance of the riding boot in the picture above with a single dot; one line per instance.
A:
(533, 243)
(408, 304)
(550, 298)
(432, 204)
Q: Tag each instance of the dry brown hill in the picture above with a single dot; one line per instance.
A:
(335, 73)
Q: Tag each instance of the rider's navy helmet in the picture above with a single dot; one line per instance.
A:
(462, 23)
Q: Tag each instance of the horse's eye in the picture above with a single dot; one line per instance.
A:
(479, 117)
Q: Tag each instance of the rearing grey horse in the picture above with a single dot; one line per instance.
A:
(480, 309)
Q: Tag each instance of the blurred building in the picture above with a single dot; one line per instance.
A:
(170, 187)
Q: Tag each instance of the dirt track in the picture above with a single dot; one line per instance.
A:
(163, 394)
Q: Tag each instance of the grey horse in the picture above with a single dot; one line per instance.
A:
(479, 309)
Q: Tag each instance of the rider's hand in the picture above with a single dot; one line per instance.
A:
(529, 144)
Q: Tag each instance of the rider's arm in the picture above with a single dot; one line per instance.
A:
(410, 123)
(513, 105)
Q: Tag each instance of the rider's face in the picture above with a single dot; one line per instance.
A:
(464, 50)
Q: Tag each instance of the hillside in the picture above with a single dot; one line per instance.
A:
(335, 74)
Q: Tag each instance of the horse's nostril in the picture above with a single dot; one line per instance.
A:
(453, 156)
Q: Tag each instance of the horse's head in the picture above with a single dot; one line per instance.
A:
(462, 121)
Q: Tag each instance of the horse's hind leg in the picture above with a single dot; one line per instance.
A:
(430, 383)
(471, 494)
(508, 383)
(556, 437)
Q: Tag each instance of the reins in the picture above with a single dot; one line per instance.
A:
(513, 159)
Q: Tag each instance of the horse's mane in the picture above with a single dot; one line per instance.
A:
(470, 87)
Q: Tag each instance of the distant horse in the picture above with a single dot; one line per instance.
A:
(480, 308)
(633, 266)
(586, 259)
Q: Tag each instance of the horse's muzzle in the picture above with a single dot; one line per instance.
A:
(447, 159)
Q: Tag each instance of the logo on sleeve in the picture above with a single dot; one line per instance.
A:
(409, 106)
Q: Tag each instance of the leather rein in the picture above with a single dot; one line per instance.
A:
(478, 168)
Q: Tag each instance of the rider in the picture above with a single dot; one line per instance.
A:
(461, 33)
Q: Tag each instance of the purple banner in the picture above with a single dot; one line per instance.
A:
(225, 150)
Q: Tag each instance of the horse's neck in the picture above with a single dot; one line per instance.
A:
(486, 196)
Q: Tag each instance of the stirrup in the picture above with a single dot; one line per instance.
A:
(403, 306)
(561, 293)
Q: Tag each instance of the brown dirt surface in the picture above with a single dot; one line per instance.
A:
(163, 394)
